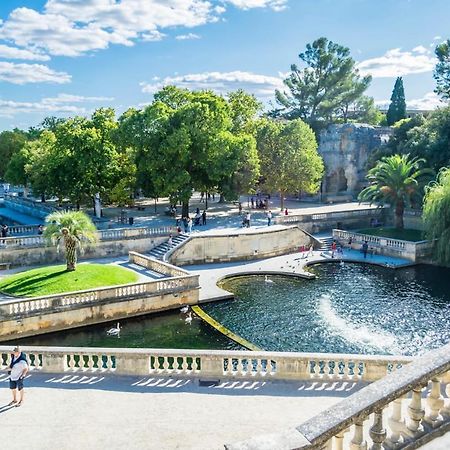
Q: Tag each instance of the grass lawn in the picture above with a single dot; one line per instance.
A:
(395, 233)
(55, 279)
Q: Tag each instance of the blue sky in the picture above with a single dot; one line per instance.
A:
(67, 57)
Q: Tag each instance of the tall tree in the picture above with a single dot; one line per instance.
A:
(397, 107)
(10, 143)
(319, 91)
(289, 158)
(398, 180)
(442, 70)
(436, 215)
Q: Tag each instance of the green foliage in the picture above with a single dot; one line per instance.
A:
(289, 158)
(11, 142)
(442, 70)
(436, 215)
(55, 279)
(397, 107)
(325, 88)
(397, 180)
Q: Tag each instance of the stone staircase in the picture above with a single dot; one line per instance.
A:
(325, 243)
(161, 250)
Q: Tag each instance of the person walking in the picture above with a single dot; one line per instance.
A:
(204, 217)
(189, 224)
(269, 218)
(240, 208)
(170, 241)
(365, 248)
(333, 249)
(17, 371)
(286, 212)
(247, 219)
(253, 202)
(311, 250)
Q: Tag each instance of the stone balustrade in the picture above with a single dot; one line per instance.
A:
(156, 266)
(218, 364)
(104, 235)
(35, 306)
(402, 410)
(23, 230)
(412, 251)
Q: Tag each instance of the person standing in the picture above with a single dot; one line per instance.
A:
(189, 224)
(18, 370)
(365, 248)
(333, 249)
(269, 218)
(247, 219)
(253, 202)
(204, 217)
(170, 241)
(240, 208)
(286, 212)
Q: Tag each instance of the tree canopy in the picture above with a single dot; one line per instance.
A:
(436, 215)
(11, 142)
(397, 107)
(289, 158)
(442, 70)
(325, 88)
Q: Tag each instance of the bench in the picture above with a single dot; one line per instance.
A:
(5, 266)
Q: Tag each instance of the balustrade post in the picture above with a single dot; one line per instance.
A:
(446, 409)
(339, 440)
(396, 424)
(435, 402)
(416, 413)
(377, 431)
(212, 365)
(54, 362)
(358, 442)
(132, 364)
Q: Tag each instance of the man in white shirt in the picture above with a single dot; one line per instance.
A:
(17, 372)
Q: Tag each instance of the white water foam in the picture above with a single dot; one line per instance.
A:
(355, 333)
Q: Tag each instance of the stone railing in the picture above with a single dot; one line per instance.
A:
(156, 265)
(412, 251)
(23, 230)
(400, 411)
(29, 206)
(35, 306)
(211, 363)
(322, 217)
(104, 235)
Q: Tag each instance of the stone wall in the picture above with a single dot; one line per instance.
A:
(29, 255)
(236, 247)
(345, 149)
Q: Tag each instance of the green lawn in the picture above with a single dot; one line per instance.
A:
(395, 233)
(55, 279)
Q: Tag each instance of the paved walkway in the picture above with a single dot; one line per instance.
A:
(76, 412)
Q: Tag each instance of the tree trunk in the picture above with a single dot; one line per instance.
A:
(185, 208)
(282, 201)
(221, 198)
(42, 198)
(399, 210)
(71, 254)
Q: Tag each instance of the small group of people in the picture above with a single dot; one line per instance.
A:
(188, 223)
(171, 210)
(336, 250)
(306, 251)
(209, 196)
(259, 203)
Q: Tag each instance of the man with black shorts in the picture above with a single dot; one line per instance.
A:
(18, 370)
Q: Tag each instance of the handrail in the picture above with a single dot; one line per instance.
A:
(366, 410)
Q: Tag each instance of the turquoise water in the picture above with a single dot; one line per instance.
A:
(349, 308)
(352, 308)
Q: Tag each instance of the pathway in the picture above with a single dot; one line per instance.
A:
(72, 412)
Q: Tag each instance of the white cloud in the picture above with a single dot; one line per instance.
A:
(276, 5)
(61, 104)
(428, 102)
(31, 73)
(17, 53)
(437, 38)
(395, 63)
(220, 82)
(189, 36)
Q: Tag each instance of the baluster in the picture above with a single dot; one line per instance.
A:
(194, 364)
(396, 425)
(90, 363)
(315, 369)
(240, 366)
(258, 367)
(358, 442)
(339, 440)
(446, 409)
(415, 413)
(328, 445)
(71, 362)
(435, 402)
(377, 431)
(166, 364)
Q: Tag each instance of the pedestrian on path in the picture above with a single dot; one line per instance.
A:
(333, 249)
(170, 241)
(204, 217)
(240, 208)
(269, 218)
(311, 250)
(18, 370)
(365, 247)
(286, 212)
(189, 225)
(248, 217)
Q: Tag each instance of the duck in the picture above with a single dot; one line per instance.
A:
(184, 309)
(267, 279)
(114, 331)
(188, 318)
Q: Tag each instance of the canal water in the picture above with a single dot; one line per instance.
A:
(348, 308)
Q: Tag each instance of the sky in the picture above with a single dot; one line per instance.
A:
(69, 57)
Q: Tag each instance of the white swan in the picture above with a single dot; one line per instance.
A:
(267, 279)
(114, 331)
(188, 318)
(184, 309)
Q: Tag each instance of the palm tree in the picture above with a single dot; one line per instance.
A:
(72, 229)
(397, 180)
